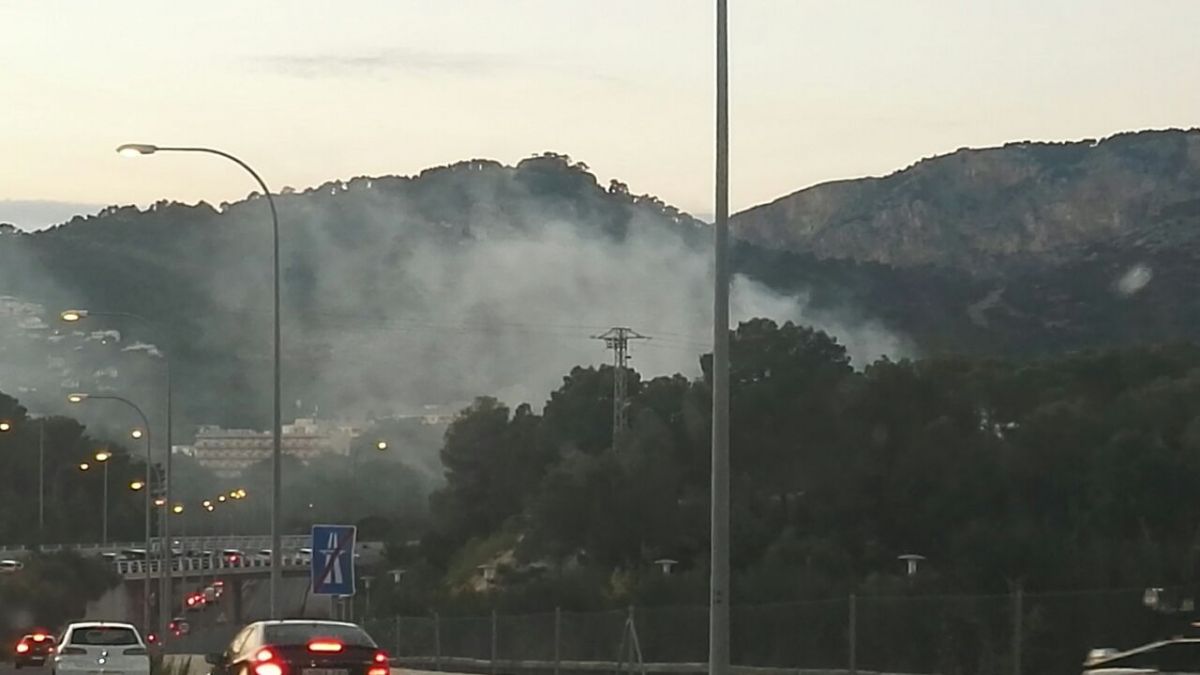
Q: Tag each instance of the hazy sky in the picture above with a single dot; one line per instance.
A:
(310, 91)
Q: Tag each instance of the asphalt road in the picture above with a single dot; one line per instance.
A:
(6, 668)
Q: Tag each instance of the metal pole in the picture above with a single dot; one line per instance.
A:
(164, 584)
(146, 566)
(104, 509)
(853, 634)
(437, 641)
(557, 639)
(42, 481)
(492, 663)
(1017, 614)
(718, 627)
(149, 504)
(277, 417)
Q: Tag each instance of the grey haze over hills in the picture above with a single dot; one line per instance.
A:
(486, 279)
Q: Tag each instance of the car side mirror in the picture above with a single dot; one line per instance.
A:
(213, 659)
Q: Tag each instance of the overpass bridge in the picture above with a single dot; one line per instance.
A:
(248, 543)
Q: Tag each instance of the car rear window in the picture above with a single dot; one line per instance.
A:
(104, 636)
(302, 633)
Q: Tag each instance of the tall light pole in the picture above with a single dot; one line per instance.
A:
(164, 580)
(6, 426)
(80, 398)
(718, 617)
(137, 149)
(102, 457)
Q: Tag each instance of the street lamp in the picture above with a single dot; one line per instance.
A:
(177, 509)
(103, 457)
(138, 149)
(719, 586)
(220, 498)
(136, 485)
(76, 315)
(5, 426)
(80, 398)
(381, 446)
(84, 466)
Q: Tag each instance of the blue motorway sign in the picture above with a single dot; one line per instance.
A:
(333, 559)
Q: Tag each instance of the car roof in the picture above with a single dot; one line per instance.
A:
(99, 624)
(307, 622)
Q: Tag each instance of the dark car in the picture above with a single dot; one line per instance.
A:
(301, 647)
(33, 650)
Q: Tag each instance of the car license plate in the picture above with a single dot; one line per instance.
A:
(325, 671)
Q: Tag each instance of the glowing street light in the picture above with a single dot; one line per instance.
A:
(160, 501)
(139, 149)
(73, 315)
(137, 485)
(177, 509)
(102, 457)
(221, 498)
(381, 446)
(5, 426)
(84, 466)
(207, 503)
(77, 398)
(136, 433)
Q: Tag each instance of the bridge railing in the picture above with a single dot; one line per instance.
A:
(240, 542)
(137, 568)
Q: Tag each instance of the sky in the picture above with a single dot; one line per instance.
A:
(311, 91)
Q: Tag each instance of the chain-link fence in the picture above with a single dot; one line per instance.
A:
(1013, 634)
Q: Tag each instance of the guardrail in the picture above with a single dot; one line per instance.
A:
(137, 568)
(241, 542)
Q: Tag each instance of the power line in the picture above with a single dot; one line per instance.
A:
(617, 339)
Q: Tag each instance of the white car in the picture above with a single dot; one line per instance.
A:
(10, 566)
(102, 647)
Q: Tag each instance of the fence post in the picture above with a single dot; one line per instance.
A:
(853, 634)
(492, 664)
(1017, 621)
(557, 639)
(437, 642)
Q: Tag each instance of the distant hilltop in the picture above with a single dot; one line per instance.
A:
(975, 209)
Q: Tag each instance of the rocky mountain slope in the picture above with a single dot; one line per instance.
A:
(979, 210)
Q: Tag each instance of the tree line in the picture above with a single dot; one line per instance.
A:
(1072, 472)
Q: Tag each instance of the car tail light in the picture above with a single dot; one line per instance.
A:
(381, 657)
(326, 646)
(268, 668)
(22, 648)
(39, 637)
(264, 655)
(67, 651)
(378, 670)
(151, 638)
(135, 651)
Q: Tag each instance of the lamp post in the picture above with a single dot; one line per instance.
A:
(6, 426)
(80, 398)
(102, 457)
(164, 583)
(718, 615)
(138, 149)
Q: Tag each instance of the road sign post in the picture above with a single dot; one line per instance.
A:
(333, 559)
